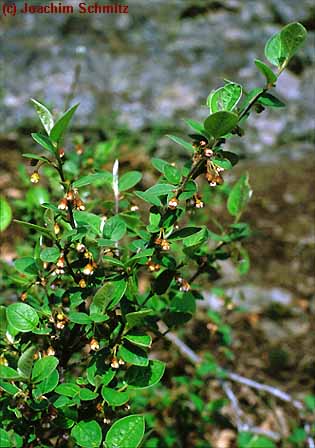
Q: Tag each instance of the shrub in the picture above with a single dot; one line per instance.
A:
(76, 344)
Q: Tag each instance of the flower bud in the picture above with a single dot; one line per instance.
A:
(63, 204)
(35, 177)
(56, 228)
(50, 351)
(199, 203)
(70, 195)
(165, 245)
(23, 296)
(208, 152)
(79, 204)
(88, 269)
(114, 363)
(61, 153)
(80, 248)
(94, 345)
(82, 283)
(173, 203)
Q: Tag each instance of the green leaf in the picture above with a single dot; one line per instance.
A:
(47, 385)
(62, 124)
(87, 434)
(5, 214)
(79, 318)
(159, 164)
(310, 402)
(44, 141)
(5, 439)
(133, 355)
(30, 155)
(9, 388)
(44, 115)
(26, 265)
(141, 340)
(239, 196)
(25, 362)
(269, 100)
(22, 317)
(50, 254)
(261, 442)
(283, 45)
(3, 320)
(221, 123)
(183, 233)
(196, 126)
(223, 163)
(172, 174)
(144, 377)
(104, 177)
(86, 394)
(91, 221)
(129, 180)
(197, 238)
(109, 295)
(115, 228)
(113, 397)
(44, 367)
(126, 432)
(36, 228)
(137, 318)
(160, 189)
(225, 98)
(7, 373)
(68, 389)
(182, 142)
(270, 76)
(189, 191)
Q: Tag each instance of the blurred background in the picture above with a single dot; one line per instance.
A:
(138, 75)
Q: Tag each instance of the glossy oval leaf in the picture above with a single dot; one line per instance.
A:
(225, 98)
(44, 141)
(113, 397)
(133, 355)
(26, 265)
(26, 361)
(62, 124)
(283, 45)
(109, 295)
(239, 196)
(126, 432)
(221, 123)
(7, 373)
(44, 367)
(270, 76)
(182, 142)
(45, 115)
(87, 434)
(141, 340)
(47, 385)
(144, 377)
(22, 317)
(129, 180)
(50, 254)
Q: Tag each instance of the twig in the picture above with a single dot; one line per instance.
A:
(115, 186)
(74, 83)
(196, 359)
(266, 388)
